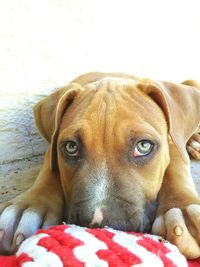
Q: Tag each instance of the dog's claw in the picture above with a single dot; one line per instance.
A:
(178, 230)
(19, 239)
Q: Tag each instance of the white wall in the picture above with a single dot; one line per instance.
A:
(45, 43)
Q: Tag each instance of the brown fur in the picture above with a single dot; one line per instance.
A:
(109, 114)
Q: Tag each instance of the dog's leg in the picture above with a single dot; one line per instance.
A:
(39, 207)
(178, 218)
(193, 145)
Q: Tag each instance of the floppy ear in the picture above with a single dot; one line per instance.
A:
(181, 106)
(192, 83)
(44, 113)
(48, 114)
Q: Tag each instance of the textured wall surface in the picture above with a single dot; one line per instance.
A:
(19, 138)
(45, 44)
(21, 147)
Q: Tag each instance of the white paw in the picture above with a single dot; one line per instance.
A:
(21, 218)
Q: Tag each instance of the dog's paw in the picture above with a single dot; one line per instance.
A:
(182, 228)
(193, 146)
(22, 216)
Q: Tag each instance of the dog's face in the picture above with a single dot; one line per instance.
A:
(112, 152)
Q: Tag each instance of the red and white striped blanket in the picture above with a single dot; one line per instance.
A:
(70, 245)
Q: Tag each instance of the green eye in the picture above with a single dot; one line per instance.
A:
(71, 148)
(143, 148)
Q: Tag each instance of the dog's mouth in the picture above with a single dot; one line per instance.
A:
(120, 217)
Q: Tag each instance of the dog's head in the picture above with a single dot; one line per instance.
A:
(109, 137)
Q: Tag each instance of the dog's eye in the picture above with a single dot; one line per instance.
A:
(143, 148)
(71, 148)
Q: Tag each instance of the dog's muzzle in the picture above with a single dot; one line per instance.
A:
(115, 213)
(102, 198)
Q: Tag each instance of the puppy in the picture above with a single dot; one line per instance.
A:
(116, 157)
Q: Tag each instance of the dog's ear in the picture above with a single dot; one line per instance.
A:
(44, 113)
(181, 106)
(48, 114)
(192, 83)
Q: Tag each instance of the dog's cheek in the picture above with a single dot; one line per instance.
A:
(152, 175)
(66, 178)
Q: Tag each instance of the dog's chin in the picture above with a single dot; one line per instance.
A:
(139, 220)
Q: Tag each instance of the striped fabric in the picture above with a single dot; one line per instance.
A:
(70, 245)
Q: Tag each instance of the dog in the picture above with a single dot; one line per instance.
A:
(117, 157)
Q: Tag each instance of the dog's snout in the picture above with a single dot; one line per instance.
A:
(100, 200)
(112, 213)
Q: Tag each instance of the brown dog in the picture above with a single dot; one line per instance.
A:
(117, 156)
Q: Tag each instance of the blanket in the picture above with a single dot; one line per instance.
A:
(71, 245)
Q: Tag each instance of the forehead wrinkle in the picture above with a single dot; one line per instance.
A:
(144, 129)
(101, 114)
(110, 98)
(88, 122)
(97, 109)
(133, 115)
(142, 106)
(106, 108)
(133, 97)
(77, 130)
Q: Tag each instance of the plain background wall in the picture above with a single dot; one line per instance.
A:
(46, 43)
